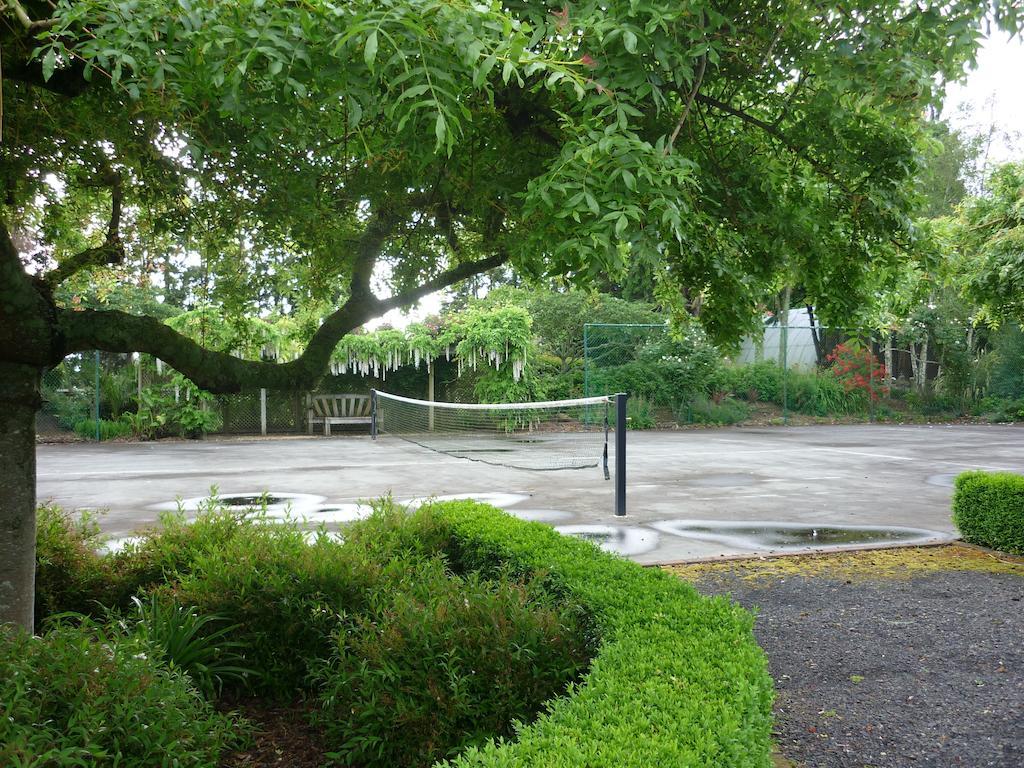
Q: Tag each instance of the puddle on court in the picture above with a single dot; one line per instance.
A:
(791, 537)
(499, 500)
(944, 480)
(114, 545)
(620, 540)
(278, 504)
(539, 515)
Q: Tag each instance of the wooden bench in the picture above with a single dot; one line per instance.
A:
(337, 409)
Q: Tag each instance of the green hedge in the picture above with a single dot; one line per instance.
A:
(678, 679)
(988, 508)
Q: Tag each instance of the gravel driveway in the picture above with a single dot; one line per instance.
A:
(896, 658)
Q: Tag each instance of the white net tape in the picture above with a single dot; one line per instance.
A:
(557, 434)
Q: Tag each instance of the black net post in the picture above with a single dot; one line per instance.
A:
(373, 414)
(620, 454)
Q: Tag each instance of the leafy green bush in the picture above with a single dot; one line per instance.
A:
(441, 662)
(639, 414)
(284, 597)
(1008, 362)
(818, 394)
(764, 378)
(81, 696)
(1000, 409)
(935, 404)
(722, 411)
(678, 678)
(108, 430)
(70, 576)
(988, 509)
(69, 408)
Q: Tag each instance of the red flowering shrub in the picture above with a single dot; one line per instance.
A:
(859, 370)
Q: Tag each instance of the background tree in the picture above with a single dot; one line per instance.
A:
(324, 152)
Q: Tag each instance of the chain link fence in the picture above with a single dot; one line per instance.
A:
(787, 375)
(806, 374)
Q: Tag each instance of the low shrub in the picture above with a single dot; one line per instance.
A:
(1000, 409)
(764, 378)
(80, 696)
(108, 430)
(678, 678)
(719, 411)
(639, 414)
(70, 576)
(935, 404)
(818, 394)
(440, 663)
(858, 370)
(988, 509)
(284, 596)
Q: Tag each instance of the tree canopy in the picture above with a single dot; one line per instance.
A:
(362, 154)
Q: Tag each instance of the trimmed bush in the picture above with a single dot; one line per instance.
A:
(988, 509)
(678, 678)
(74, 698)
(427, 632)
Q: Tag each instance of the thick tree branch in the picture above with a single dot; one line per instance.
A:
(371, 243)
(112, 250)
(443, 280)
(220, 372)
(30, 24)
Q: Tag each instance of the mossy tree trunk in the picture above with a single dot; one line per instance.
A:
(19, 400)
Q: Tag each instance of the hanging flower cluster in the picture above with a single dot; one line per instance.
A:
(495, 336)
(498, 337)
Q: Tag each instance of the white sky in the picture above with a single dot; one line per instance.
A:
(993, 94)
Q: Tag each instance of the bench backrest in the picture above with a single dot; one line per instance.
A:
(338, 406)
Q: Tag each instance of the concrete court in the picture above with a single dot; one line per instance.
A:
(846, 474)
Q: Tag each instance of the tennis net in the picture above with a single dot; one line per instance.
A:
(550, 435)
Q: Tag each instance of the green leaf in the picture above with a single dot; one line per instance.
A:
(440, 129)
(629, 40)
(49, 64)
(370, 50)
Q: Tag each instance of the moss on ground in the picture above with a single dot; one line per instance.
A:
(876, 564)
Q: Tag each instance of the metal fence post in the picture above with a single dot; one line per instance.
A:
(784, 330)
(620, 454)
(373, 414)
(263, 412)
(96, 394)
(586, 360)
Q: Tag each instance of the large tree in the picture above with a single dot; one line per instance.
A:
(339, 150)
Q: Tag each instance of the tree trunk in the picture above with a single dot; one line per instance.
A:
(19, 401)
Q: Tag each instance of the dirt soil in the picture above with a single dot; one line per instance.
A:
(281, 736)
(887, 659)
